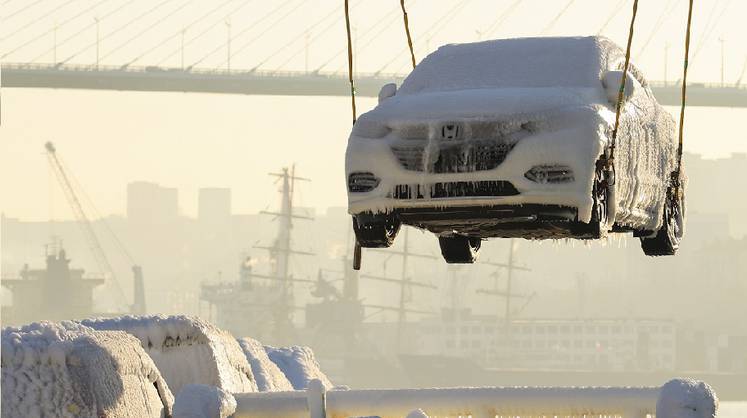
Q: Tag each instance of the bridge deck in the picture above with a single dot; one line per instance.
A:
(276, 83)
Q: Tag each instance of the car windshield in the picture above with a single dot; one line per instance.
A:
(515, 63)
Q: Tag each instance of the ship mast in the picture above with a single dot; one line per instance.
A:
(506, 293)
(281, 251)
(405, 284)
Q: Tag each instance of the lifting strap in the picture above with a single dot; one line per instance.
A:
(621, 92)
(350, 59)
(357, 253)
(407, 31)
(676, 175)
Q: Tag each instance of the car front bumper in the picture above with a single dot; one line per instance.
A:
(578, 148)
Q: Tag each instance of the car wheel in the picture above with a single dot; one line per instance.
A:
(600, 210)
(459, 249)
(600, 194)
(375, 231)
(668, 237)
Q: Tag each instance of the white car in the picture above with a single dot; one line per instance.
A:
(510, 138)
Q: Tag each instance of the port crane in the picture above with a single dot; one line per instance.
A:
(94, 245)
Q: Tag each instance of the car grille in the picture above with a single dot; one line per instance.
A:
(475, 146)
(454, 158)
(492, 188)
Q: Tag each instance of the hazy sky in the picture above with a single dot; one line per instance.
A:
(195, 140)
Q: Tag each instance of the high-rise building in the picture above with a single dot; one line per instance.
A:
(151, 203)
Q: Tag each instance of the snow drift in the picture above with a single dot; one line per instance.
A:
(299, 365)
(202, 401)
(269, 377)
(187, 350)
(71, 370)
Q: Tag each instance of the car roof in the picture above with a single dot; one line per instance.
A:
(509, 63)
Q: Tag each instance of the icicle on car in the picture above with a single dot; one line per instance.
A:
(504, 138)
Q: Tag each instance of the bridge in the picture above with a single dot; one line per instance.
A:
(286, 83)
(142, 53)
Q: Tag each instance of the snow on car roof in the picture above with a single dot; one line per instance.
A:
(522, 62)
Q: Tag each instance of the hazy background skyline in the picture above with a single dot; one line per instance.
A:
(188, 141)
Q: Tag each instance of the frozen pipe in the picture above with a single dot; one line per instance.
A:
(678, 398)
(477, 402)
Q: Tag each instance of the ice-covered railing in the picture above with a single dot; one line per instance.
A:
(676, 399)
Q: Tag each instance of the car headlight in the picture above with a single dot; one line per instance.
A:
(362, 182)
(552, 174)
(369, 129)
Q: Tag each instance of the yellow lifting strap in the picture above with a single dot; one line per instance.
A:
(407, 31)
(677, 173)
(350, 59)
(621, 94)
(623, 81)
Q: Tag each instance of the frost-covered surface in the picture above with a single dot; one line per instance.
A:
(268, 375)
(69, 370)
(187, 350)
(686, 398)
(299, 365)
(549, 98)
(418, 413)
(203, 401)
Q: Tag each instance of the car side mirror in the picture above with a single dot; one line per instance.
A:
(387, 91)
(611, 83)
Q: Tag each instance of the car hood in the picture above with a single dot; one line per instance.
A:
(483, 104)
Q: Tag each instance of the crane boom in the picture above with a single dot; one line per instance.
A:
(80, 216)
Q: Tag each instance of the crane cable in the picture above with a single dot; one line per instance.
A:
(621, 92)
(350, 59)
(676, 175)
(407, 31)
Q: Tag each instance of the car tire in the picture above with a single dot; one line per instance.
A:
(459, 249)
(600, 194)
(375, 231)
(668, 237)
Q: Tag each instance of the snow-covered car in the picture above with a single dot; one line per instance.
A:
(511, 138)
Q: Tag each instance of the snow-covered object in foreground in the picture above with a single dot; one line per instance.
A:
(267, 374)
(507, 138)
(418, 413)
(69, 370)
(686, 398)
(299, 365)
(203, 401)
(187, 350)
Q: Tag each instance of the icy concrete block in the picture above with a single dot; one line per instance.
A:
(268, 375)
(187, 350)
(69, 370)
(299, 365)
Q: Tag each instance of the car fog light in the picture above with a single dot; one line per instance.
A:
(362, 182)
(553, 174)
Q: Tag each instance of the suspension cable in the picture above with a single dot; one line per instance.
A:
(677, 173)
(623, 81)
(251, 26)
(117, 30)
(40, 36)
(487, 32)
(272, 26)
(612, 15)
(184, 29)
(407, 31)
(350, 61)
(297, 38)
(146, 29)
(368, 34)
(204, 31)
(552, 23)
(38, 19)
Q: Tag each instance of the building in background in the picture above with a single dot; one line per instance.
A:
(151, 204)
